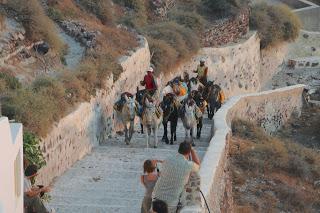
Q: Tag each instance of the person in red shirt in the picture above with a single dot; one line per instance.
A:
(149, 82)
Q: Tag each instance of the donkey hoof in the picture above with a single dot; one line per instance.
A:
(155, 147)
(171, 143)
(193, 144)
(198, 136)
(127, 142)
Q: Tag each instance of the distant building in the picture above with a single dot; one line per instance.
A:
(11, 167)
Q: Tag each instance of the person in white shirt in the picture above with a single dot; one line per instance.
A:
(175, 174)
(32, 201)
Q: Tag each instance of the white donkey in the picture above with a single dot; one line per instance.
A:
(189, 119)
(151, 121)
(127, 116)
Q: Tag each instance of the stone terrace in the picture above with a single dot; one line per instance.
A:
(108, 179)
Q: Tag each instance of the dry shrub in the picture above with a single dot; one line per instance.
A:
(190, 20)
(181, 39)
(290, 166)
(2, 20)
(11, 81)
(274, 23)
(75, 88)
(164, 56)
(101, 8)
(38, 26)
(139, 16)
(3, 87)
(37, 111)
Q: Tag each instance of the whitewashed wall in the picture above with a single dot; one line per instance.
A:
(11, 167)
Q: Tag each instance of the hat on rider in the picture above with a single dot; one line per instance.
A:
(150, 69)
(202, 60)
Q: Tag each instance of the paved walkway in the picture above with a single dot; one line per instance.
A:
(108, 179)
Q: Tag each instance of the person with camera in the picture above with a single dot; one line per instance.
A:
(32, 200)
(175, 173)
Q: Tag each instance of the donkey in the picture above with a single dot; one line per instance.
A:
(170, 107)
(189, 118)
(202, 104)
(139, 99)
(151, 119)
(211, 94)
(127, 115)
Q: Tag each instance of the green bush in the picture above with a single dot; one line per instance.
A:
(31, 150)
(11, 81)
(274, 23)
(101, 8)
(38, 26)
(217, 5)
(190, 20)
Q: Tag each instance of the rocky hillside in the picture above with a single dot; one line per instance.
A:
(276, 174)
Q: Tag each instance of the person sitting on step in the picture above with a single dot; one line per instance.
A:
(148, 180)
(32, 201)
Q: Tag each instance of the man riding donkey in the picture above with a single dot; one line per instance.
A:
(202, 72)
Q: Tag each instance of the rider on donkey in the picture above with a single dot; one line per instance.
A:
(202, 71)
(149, 82)
(119, 104)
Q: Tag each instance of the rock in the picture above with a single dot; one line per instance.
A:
(314, 64)
(313, 49)
(41, 48)
(316, 184)
(305, 36)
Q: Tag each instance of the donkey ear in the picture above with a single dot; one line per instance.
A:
(126, 98)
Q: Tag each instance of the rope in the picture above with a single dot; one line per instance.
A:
(205, 201)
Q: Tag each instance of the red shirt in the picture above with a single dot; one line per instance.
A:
(149, 81)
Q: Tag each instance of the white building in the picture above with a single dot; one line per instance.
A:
(11, 167)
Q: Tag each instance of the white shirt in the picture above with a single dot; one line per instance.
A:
(174, 176)
(26, 184)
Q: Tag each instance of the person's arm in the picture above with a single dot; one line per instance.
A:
(141, 180)
(36, 191)
(195, 157)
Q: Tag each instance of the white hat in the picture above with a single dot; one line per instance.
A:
(202, 60)
(150, 69)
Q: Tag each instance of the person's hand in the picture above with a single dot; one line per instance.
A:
(46, 189)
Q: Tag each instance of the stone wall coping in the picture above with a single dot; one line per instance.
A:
(216, 148)
(251, 35)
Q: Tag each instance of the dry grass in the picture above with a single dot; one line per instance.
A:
(274, 23)
(38, 26)
(272, 174)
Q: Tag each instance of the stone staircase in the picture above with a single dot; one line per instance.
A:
(108, 179)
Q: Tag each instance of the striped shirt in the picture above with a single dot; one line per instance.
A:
(173, 179)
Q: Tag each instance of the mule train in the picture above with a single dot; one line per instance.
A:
(187, 100)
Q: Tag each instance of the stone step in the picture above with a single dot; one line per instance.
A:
(71, 208)
(108, 179)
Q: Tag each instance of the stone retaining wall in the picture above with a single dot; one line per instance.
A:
(236, 68)
(75, 135)
(228, 30)
(270, 110)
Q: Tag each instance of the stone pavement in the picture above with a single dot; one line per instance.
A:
(108, 179)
